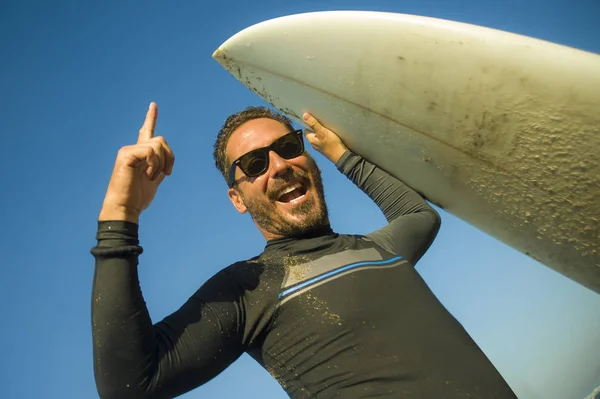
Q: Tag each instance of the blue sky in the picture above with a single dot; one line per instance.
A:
(76, 81)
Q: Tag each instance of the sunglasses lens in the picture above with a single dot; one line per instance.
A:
(289, 146)
(254, 163)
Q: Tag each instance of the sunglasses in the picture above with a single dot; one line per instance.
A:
(256, 162)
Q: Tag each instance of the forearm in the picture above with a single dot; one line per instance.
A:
(413, 223)
(124, 341)
(391, 195)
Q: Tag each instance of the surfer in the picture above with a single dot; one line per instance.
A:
(327, 314)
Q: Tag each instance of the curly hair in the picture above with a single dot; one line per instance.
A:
(233, 122)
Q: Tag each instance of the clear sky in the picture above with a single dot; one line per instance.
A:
(76, 79)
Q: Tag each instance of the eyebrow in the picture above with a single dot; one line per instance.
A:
(262, 146)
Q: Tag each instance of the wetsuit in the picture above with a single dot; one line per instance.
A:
(328, 315)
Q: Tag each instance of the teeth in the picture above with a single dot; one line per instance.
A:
(290, 189)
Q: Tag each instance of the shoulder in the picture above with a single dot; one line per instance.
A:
(370, 246)
(248, 275)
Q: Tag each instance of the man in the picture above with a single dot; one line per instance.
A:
(328, 315)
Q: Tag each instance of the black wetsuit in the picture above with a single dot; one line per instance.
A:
(328, 315)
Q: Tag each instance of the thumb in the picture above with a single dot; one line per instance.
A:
(312, 138)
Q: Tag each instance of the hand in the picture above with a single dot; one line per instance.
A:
(324, 140)
(139, 169)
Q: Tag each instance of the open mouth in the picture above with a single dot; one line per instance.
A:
(292, 193)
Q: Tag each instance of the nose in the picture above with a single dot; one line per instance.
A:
(277, 165)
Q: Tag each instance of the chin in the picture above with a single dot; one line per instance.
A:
(314, 219)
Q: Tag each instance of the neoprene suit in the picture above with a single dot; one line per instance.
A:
(328, 315)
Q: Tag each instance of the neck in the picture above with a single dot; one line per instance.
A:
(314, 232)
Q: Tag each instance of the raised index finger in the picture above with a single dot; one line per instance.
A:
(147, 129)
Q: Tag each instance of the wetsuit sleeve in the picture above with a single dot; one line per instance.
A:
(412, 223)
(134, 358)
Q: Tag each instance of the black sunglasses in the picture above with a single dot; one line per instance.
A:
(256, 162)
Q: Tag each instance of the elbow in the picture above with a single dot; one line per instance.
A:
(110, 394)
(435, 221)
(122, 393)
(106, 391)
(114, 389)
(121, 375)
(430, 228)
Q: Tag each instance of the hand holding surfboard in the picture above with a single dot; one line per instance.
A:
(323, 139)
(139, 169)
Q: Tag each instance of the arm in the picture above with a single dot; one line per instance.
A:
(412, 223)
(134, 358)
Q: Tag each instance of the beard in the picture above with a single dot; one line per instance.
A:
(313, 213)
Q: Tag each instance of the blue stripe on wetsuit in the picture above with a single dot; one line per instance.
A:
(337, 271)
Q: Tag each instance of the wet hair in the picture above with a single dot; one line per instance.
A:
(232, 123)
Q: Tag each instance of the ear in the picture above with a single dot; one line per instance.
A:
(236, 200)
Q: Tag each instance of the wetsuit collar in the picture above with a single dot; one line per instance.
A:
(279, 243)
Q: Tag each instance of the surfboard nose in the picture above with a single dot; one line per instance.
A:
(219, 55)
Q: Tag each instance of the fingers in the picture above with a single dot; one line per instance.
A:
(313, 135)
(156, 161)
(162, 159)
(168, 157)
(164, 156)
(323, 140)
(154, 156)
(142, 157)
(147, 129)
(153, 161)
(313, 123)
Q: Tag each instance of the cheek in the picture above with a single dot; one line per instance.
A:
(256, 189)
(302, 162)
(260, 183)
(310, 166)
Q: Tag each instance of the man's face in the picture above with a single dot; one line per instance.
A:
(285, 201)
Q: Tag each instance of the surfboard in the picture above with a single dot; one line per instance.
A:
(499, 129)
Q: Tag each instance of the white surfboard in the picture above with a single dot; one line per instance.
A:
(499, 129)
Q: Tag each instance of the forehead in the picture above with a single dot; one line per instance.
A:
(254, 134)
